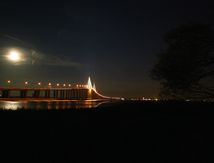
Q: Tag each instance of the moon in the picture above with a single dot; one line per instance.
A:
(14, 56)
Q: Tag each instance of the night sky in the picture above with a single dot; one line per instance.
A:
(114, 42)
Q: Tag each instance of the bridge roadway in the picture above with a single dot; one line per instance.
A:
(50, 93)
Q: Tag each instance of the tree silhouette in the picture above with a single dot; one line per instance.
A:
(185, 69)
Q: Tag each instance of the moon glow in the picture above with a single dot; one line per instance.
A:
(14, 56)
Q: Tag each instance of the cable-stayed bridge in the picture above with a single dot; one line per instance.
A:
(80, 92)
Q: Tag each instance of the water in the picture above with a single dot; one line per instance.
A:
(54, 104)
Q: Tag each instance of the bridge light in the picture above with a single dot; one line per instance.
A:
(64, 85)
(69, 85)
(39, 83)
(26, 83)
(9, 81)
(49, 84)
(57, 84)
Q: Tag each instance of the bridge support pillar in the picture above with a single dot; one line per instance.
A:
(69, 94)
(66, 94)
(55, 93)
(72, 94)
(23, 93)
(76, 95)
(62, 94)
(36, 94)
(85, 91)
(82, 94)
(47, 93)
(6, 93)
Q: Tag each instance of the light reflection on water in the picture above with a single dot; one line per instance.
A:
(39, 105)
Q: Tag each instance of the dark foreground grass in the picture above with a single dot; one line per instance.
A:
(124, 132)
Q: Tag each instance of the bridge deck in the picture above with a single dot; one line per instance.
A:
(49, 93)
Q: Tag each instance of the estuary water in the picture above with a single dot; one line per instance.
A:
(52, 104)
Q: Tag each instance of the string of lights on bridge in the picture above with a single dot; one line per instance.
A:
(50, 85)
